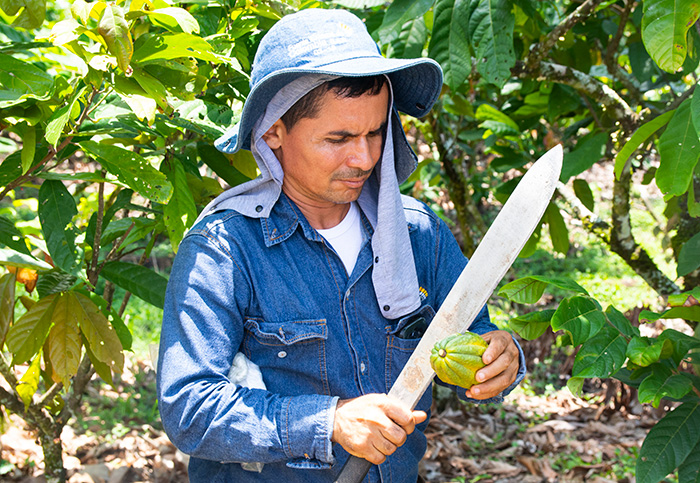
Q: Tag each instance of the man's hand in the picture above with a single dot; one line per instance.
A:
(373, 426)
(502, 363)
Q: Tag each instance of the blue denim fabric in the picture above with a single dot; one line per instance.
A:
(275, 290)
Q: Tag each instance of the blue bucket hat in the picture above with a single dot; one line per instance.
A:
(335, 42)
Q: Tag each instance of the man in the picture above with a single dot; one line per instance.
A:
(318, 271)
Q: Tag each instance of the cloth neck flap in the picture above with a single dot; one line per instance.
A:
(394, 272)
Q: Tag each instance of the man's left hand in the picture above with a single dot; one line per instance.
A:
(502, 363)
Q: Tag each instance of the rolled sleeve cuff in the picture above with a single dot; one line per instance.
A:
(307, 427)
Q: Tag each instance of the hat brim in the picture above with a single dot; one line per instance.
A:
(416, 84)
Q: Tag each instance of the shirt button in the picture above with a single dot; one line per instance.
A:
(362, 367)
(386, 308)
(281, 354)
(259, 208)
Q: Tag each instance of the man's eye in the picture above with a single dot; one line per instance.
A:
(336, 140)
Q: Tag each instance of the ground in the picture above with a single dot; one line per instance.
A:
(551, 437)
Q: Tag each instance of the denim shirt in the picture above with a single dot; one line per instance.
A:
(275, 290)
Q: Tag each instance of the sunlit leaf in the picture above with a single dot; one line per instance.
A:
(64, 342)
(491, 31)
(531, 325)
(663, 383)
(32, 15)
(640, 136)
(644, 351)
(583, 192)
(528, 290)
(620, 322)
(115, 31)
(29, 383)
(99, 333)
(157, 48)
(56, 210)
(449, 44)
(679, 149)
(139, 280)
(132, 169)
(665, 27)
(602, 355)
(397, 14)
(668, 443)
(7, 304)
(174, 19)
(28, 148)
(580, 317)
(27, 335)
(21, 80)
(123, 332)
(180, 212)
(57, 122)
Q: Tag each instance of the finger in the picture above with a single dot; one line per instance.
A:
(498, 342)
(393, 434)
(493, 386)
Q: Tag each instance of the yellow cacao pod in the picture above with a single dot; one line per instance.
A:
(456, 358)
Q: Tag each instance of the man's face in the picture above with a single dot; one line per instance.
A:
(327, 159)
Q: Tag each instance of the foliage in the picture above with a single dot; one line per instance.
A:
(108, 111)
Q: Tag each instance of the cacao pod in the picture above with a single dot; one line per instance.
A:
(456, 358)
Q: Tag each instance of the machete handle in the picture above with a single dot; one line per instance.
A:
(354, 470)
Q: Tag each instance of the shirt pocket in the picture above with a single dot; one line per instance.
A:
(402, 340)
(291, 354)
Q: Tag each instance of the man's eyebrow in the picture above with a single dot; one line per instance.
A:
(348, 134)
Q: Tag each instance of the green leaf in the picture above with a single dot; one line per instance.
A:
(689, 313)
(31, 17)
(141, 281)
(689, 256)
(679, 149)
(220, 164)
(575, 385)
(695, 112)
(583, 192)
(449, 44)
(664, 30)
(531, 325)
(21, 80)
(180, 212)
(122, 200)
(131, 169)
(123, 332)
(620, 322)
(644, 351)
(7, 304)
(28, 148)
(663, 383)
(158, 48)
(174, 19)
(557, 228)
(115, 31)
(639, 137)
(580, 317)
(528, 290)
(689, 470)
(29, 383)
(398, 14)
(27, 335)
(64, 342)
(54, 281)
(56, 211)
(602, 355)
(411, 39)
(11, 237)
(491, 32)
(358, 4)
(153, 87)
(562, 100)
(669, 443)
(58, 120)
(587, 153)
(682, 344)
(99, 333)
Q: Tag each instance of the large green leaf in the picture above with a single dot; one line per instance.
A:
(588, 152)
(131, 169)
(11, 237)
(56, 211)
(398, 13)
(64, 342)
(449, 43)
(7, 304)
(664, 30)
(528, 290)
(583, 192)
(122, 331)
(682, 344)
(29, 383)
(679, 149)
(180, 212)
(220, 164)
(669, 443)
(689, 470)
(695, 111)
(12, 258)
(28, 148)
(640, 136)
(27, 335)
(411, 39)
(580, 317)
(620, 322)
(21, 81)
(602, 355)
(689, 256)
(491, 32)
(496, 121)
(57, 122)
(32, 15)
(174, 19)
(531, 325)
(141, 281)
(558, 231)
(663, 383)
(158, 48)
(99, 333)
(644, 351)
(115, 31)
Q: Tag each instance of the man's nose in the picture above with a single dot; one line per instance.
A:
(363, 154)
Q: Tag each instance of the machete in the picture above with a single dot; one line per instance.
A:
(493, 257)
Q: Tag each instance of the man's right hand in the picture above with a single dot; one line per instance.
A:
(373, 426)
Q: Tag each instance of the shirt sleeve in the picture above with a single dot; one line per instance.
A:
(449, 262)
(203, 412)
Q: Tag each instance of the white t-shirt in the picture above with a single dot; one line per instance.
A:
(346, 237)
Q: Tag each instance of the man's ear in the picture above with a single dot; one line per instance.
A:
(273, 136)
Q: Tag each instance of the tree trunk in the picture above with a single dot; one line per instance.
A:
(52, 447)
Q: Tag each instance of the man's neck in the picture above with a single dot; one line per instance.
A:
(323, 216)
